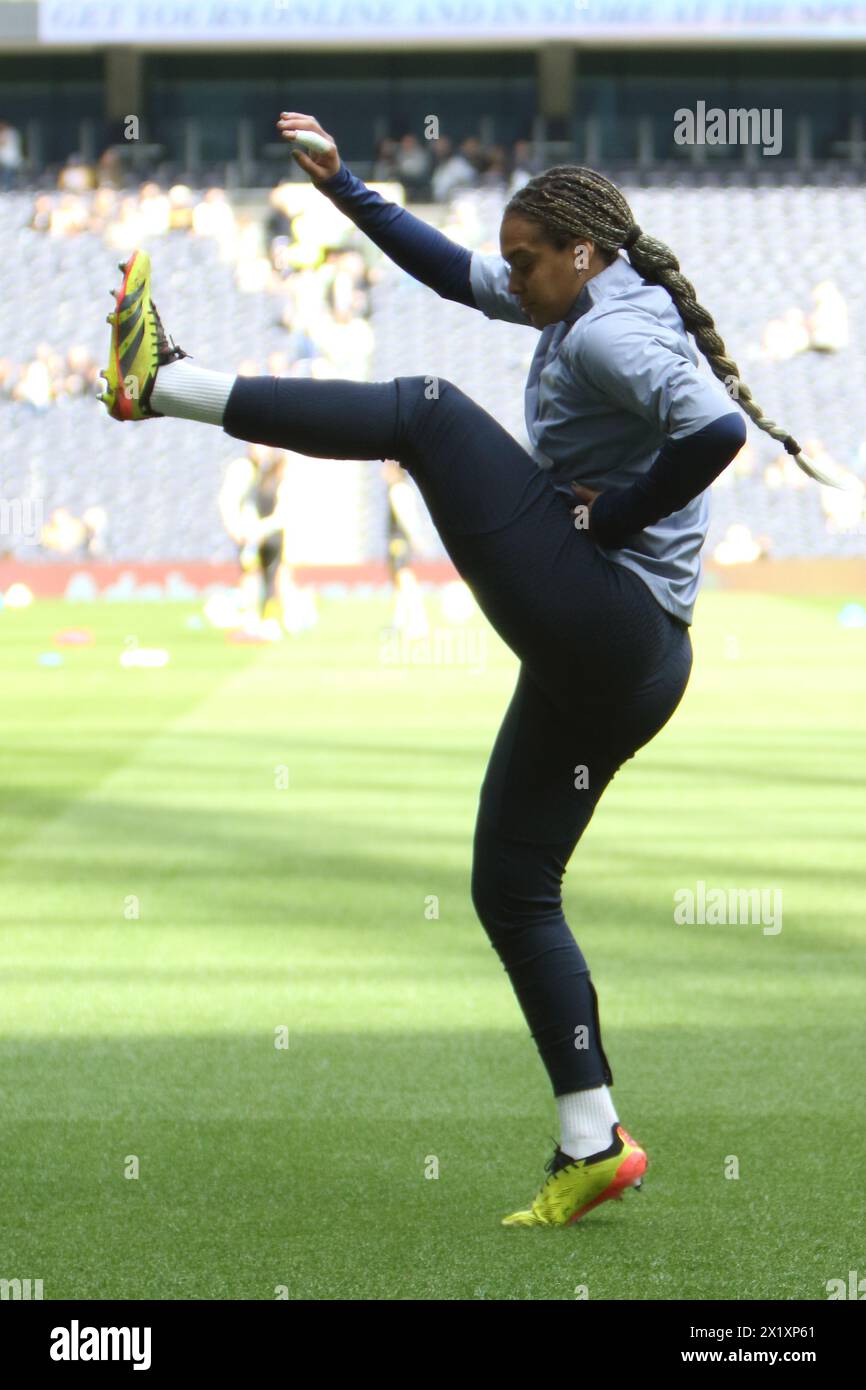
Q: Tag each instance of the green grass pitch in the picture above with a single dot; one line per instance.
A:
(248, 840)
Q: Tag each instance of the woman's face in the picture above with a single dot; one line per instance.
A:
(546, 281)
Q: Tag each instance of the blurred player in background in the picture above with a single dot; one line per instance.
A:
(252, 504)
(79, 537)
(404, 538)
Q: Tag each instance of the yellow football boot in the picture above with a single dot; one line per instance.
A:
(576, 1185)
(139, 345)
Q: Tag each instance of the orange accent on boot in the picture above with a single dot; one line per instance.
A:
(631, 1168)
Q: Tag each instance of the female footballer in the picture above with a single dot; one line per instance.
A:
(594, 599)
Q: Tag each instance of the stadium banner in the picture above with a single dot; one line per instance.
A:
(187, 580)
(424, 22)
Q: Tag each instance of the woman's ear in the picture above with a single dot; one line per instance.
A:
(583, 254)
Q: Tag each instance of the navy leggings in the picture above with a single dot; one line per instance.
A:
(603, 665)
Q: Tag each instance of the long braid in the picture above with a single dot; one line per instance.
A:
(572, 201)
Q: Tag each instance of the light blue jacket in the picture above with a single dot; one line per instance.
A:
(607, 386)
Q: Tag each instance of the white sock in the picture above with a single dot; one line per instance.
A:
(585, 1119)
(191, 393)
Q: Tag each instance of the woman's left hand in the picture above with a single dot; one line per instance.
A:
(586, 496)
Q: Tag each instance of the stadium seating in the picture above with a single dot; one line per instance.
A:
(752, 246)
(752, 250)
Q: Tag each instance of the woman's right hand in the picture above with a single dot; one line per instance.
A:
(319, 166)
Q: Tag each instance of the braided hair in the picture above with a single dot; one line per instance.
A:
(571, 201)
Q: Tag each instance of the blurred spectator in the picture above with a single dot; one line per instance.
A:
(414, 164)
(109, 169)
(50, 377)
(347, 340)
(10, 156)
(96, 521)
(495, 173)
(323, 289)
(70, 216)
(828, 321)
(214, 217)
(40, 221)
(385, 162)
(453, 171)
(76, 176)
(280, 252)
(435, 168)
(125, 232)
(9, 374)
(279, 221)
(81, 537)
(843, 507)
(464, 223)
(525, 165)
(155, 210)
(64, 533)
(300, 345)
(35, 385)
(404, 536)
(441, 149)
(180, 199)
(64, 216)
(844, 510)
(81, 373)
(102, 210)
(472, 150)
(347, 277)
(304, 249)
(253, 269)
(738, 547)
(784, 337)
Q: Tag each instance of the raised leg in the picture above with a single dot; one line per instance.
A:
(586, 628)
